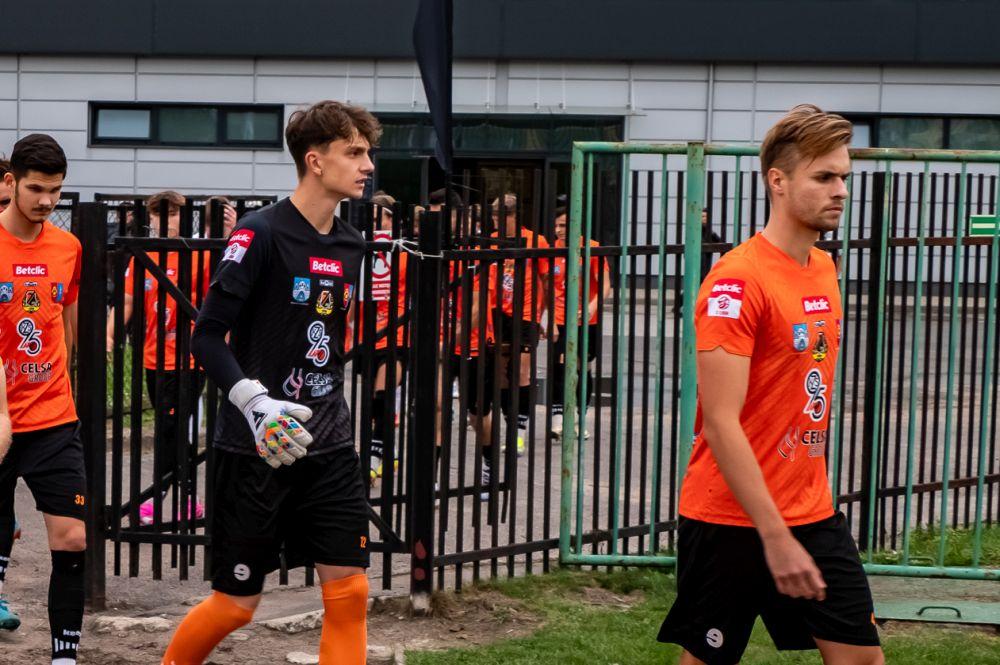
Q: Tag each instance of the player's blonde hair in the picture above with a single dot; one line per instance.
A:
(806, 132)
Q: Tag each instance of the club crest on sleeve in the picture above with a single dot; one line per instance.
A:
(239, 242)
(348, 294)
(800, 336)
(726, 298)
(57, 292)
(6, 291)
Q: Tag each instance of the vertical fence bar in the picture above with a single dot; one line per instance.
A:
(954, 330)
(837, 414)
(422, 433)
(661, 313)
(569, 399)
(92, 376)
(873, 361)
(918, 310)
(738, 205)
(984, 401)
(623, 274)
(694, 201)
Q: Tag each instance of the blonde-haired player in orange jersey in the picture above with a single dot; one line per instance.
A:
(758, 534)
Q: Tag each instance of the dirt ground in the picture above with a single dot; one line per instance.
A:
(475, 617)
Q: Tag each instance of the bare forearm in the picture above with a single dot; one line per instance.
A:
(5, 435)
(742, 473)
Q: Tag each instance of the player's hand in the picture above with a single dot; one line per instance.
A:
(794, 571)
(278, 435)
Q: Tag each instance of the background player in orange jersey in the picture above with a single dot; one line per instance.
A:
(535, 271)
(39, 282)
(600, 288)
(164, 400)
(758, 534)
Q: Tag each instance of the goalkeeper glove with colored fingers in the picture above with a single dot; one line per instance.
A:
(278, 435)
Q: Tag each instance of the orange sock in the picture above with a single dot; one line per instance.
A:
(205, 626)
(345, 630)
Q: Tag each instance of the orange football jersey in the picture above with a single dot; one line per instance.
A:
(760, 303)
(37, 280)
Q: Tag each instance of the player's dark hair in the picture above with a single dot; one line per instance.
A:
(37, 152)
(437, 198)
(558, 212)
(806, 132)
(324, 122)
(4, 167)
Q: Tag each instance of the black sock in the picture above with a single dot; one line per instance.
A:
(66, 603)
(378, 429)
(523, 407)
(505, 400)
(6, 545)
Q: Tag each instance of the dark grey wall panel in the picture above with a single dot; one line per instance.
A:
(847, 31)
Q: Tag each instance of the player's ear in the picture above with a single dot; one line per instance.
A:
(313, 163)
(776, 180)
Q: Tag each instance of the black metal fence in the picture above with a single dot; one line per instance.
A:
(455, 364)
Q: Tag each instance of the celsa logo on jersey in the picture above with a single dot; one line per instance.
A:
(238, 244)
(816, 305)
(325, 267)
(31, 270)
(726, 298)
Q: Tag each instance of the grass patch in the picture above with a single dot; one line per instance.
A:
(924, 545)
(577, 632)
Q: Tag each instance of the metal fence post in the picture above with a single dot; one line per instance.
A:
(91, 382)
(873, 365)
(422, 433)
(694, 201)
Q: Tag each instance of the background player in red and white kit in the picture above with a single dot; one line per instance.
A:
(39, 283)
(383, 210)
(758, 534)
(282, 292)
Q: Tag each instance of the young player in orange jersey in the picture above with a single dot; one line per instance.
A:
(277, 484)
(600, 288)
(39, 283)
(535, 271)
(758, 534)
(165, 403)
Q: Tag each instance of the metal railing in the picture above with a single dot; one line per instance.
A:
(884, 443)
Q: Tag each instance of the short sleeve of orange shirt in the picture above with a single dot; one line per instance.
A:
(760, 303)
(37, 281)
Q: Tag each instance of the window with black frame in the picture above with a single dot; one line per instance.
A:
(257, 126)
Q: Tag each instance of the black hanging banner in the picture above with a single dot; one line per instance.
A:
(432, 39)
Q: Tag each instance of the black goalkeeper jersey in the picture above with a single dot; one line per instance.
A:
(296, 285)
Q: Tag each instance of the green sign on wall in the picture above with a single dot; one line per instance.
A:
(983, 225)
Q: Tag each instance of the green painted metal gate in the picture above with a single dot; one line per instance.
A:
(914, 429)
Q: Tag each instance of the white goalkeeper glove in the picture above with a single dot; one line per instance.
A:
(278, 435)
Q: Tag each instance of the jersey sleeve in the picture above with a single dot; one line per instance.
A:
(129, 275)
(542, 263)
(245, 256)
(73, 288)
(729, 309)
